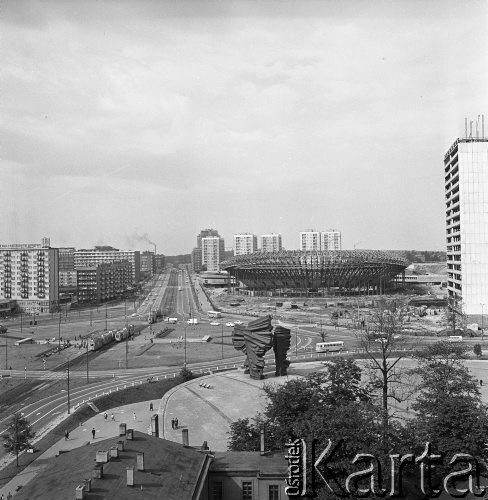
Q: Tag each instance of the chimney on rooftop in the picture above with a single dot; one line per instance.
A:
(186, 439)
(97, 472)
(87, 484)
(130, 475)
(80, 492)
(155, 425)
(130, 434)
(140, 461)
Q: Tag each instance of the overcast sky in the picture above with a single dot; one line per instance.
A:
(125, 121)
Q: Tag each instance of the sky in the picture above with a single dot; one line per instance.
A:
(134, 121)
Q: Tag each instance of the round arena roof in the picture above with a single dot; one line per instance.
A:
(346, 269)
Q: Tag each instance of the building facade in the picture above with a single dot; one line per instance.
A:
(29, 274)
(97, 284)
(196, 259)
(67, 279)
(330, 240)
(270, 242)
(466, 198)
(148, 263)
(309, 240)
(245, 243)
(159, 261)
(104, 255)
(212, 252)
(204, 252)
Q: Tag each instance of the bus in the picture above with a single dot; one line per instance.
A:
(455, 338)
(329, 346)
(214, 314)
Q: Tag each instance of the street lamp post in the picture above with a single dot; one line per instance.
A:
(69, 411)
(222, 340)
(185, 346)
(87, 376)
(296, 341)
(59, 334)
(482, 332)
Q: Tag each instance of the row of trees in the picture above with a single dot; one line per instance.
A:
(390, 405)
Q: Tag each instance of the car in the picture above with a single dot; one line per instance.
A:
(133, 315)
(230, 324)
(237, 322)
(215, 323)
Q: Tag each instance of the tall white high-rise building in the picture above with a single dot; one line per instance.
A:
(330, 240)
(270, 242)
(466, 197)
(245, 243)
(309, 240)
(212, 252)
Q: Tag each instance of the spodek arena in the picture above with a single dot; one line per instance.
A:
(326, 272)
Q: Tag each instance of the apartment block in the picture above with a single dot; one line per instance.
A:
(270, 242)
(97, 284)
(330, 240)
(29, 274)
(107, 255)
(245, 243)
(212, 252)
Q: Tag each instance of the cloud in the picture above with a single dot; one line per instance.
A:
(156, 117)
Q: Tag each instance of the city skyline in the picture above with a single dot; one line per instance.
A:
(129, 123)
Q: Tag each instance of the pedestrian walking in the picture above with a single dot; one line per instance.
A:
(176, 423)
(105, 415)
(134, 415)
(93, 432)
(112, 417)
(481, 382)
(172, 423)
(66, 435)
(151, 408)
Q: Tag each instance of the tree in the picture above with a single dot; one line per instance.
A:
(244, 435)
(18, 435)
(385, 347)
(186, 374)
(454, 319)
(477, 350)
(450, 413)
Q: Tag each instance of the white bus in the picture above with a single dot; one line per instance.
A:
(329, 346)
(214, 314)
(455, 338)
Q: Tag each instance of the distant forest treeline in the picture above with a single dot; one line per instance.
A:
(422, 255)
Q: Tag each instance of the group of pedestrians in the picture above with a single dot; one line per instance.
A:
(174, 423)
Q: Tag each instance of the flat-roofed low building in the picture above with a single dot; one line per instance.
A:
(7, 307)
